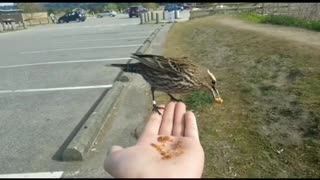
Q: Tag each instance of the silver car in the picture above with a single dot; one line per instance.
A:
(107, 13)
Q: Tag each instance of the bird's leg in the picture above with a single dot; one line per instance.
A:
(154, 103)
(173, 98)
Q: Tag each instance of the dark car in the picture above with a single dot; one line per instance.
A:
(73, 16)
(187, 6)
(136, 11)
(172, 7)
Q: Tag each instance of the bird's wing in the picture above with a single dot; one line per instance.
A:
(162, 63)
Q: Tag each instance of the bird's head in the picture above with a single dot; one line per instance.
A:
(211, 85)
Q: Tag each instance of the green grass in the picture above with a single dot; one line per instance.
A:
(282, 20)
(252, 17)
(270, 89)
(198, 100)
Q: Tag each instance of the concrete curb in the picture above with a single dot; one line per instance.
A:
(147, 42)
(81, 139)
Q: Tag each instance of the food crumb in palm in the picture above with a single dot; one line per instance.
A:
(178, 153)
(166, 157)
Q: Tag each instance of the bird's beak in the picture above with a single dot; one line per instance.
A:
(215, 93)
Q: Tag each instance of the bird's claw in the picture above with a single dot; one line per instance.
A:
(172, 98)
(156, 109)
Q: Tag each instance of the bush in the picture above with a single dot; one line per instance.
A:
(253, 17)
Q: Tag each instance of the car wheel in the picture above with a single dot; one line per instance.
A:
(61, 21)
(78, 20)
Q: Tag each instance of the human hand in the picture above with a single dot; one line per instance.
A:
(144, 160)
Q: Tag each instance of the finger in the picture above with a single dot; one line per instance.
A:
(167, 119)
(178, 124)
(191, 128)
(153, 125)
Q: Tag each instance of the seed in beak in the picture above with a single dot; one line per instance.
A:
(216, 96)
(219, 101)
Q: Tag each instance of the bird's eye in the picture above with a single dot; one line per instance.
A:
(213, 82)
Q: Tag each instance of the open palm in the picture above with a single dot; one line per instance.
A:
(143, 160)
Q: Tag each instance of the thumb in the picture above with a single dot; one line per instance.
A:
(115, 148)
(108, 162)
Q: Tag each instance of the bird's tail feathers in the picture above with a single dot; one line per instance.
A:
(133, 68)
(122, 66)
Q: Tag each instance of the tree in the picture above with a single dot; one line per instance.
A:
(96, 9)
(153, 6)
(112, 6)
(31, 7)
(123, 6)
(51, 11)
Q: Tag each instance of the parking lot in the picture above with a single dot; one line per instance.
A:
(51, 75)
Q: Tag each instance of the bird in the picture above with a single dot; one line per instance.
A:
(171, 75)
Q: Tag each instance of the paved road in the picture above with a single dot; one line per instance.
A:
(50, 76)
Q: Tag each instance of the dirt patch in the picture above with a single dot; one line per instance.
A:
(283, 32)
(269, 125)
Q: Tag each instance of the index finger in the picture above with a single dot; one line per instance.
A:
(153, 125)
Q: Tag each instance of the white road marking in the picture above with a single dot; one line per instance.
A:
(56, 89)
(80, 27)
(56, 174)
(138, 32)
(83, 48)
(64, 62)
(111, 33)
(107, 39)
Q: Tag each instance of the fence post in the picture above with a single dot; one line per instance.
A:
(141, 18)
(157, 18)
(164, 15)
(145, 17)
(148, 16)
(1, 28)
(14, 26)
(24, 25)
(19, 24)
(9, 26)
(152, 18)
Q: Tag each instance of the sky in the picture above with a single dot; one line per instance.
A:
(6, 4)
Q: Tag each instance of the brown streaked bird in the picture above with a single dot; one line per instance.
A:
(172, 75)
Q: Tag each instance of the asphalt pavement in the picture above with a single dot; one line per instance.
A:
(50, 77)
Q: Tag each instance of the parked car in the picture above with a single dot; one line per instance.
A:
(187, 6)
(136, 11)
(111, 13)
(73, 16)
(172, 7)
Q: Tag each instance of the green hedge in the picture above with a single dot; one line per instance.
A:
(282, 20)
